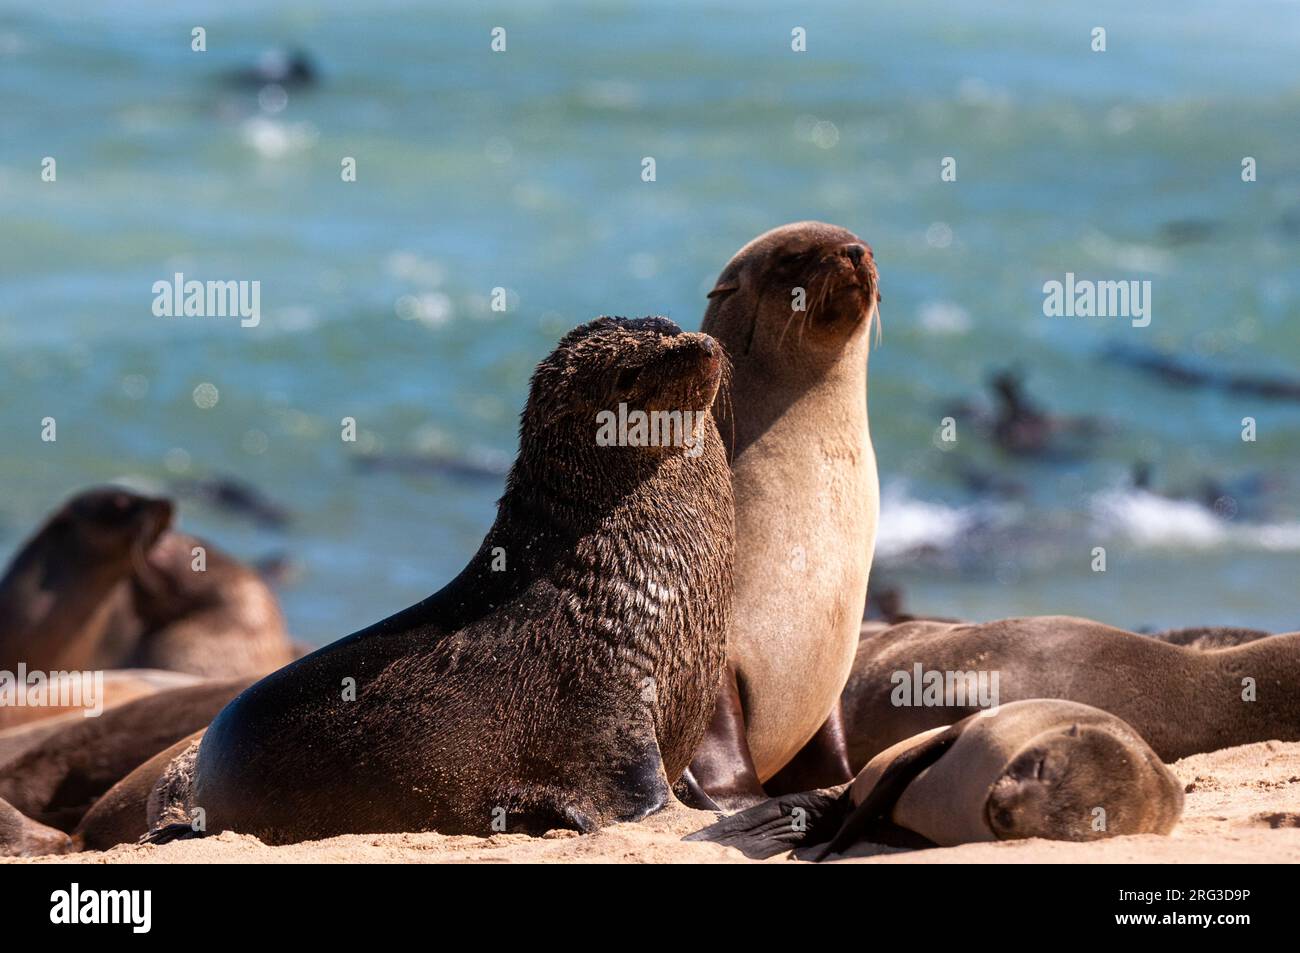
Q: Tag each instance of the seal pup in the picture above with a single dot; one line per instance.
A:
(60, 593)
(1034, 768)
(1182, 700)
(565, 677)
(793, 308)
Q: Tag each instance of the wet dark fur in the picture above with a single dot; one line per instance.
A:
(568, 690)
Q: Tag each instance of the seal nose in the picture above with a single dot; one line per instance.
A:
(855, 252)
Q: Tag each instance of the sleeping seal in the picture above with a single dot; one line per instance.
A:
(1182, 700)
(1036, 768)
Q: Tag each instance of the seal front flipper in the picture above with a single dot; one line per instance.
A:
(781, 824)
(691, 793)
(876, 804)
(722, 767)
(621, 782)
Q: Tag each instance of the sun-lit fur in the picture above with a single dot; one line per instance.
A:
(804, 472)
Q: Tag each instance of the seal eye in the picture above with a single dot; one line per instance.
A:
(627, 377)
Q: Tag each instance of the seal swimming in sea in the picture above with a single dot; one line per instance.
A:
(793, 309)
(60, 594)
(1182, 700)
(565, 677)
(1033, 768)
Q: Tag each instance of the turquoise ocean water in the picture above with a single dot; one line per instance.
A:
(522, 170)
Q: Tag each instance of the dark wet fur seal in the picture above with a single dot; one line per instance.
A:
(1182, 700)
(569, 688)
(289, 68)
(56, 779)
(807, 497)
(481, 468)
(1020, 427)
(60, 592)
(1033, 768)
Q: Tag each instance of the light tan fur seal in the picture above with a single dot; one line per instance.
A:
(1035, 768)
(1182, 700)
(807, 496)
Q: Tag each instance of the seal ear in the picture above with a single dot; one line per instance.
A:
(724, 287)
(774, 827)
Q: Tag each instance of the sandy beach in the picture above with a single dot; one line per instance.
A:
(1243, 806)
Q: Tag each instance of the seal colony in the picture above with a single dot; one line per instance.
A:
(626, 616)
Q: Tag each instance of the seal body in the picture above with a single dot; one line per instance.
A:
(564, 678)
(60, 594)
(1034, 768)
(105, 584)
(803, 470)
(216, 618)
(1182, 700)
(54, 770)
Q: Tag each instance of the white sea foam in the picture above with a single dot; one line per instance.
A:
(908, 524)
(1156, 521)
